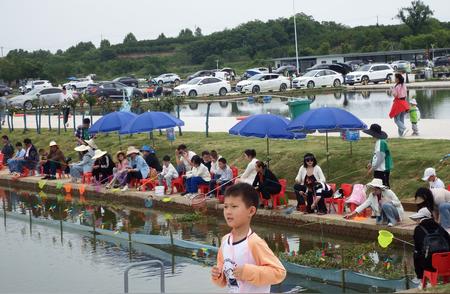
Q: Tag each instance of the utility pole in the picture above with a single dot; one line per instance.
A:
(377, 21)
(296, 41)
(1, 48)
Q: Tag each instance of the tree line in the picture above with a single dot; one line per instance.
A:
(249, 43)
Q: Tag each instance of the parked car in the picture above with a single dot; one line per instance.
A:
(441, 61)
(113, 90)
(168, 78)
(254, 71)
(377, 72)
(5, 90)
(129, 81)
(79, 83)
(225, 73)
(402, 65)
(286, 70)
(355, 64)
(319, 78)
(203, 86)
(263, 83)
(38, 84)
(50, 96)
(341, 68)
(201, 73)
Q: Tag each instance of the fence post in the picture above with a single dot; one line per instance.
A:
(207, 118)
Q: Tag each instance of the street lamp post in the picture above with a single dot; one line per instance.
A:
(296, 41)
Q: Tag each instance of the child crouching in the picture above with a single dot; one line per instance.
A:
(245, 264)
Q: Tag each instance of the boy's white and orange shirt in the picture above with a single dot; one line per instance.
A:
(261, 268)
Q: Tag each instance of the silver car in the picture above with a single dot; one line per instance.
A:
(49, 96)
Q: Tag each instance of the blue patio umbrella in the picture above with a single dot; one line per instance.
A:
(149, 121)
(267, 126)
(326, 119)
(111, 122)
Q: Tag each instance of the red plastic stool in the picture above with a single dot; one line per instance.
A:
(441, 262)
(86, 178)
(204, 188)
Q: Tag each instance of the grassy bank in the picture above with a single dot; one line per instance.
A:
(411, 157)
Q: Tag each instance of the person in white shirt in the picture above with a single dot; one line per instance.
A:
(250, 172)
(223, 177)
(168, 174)
(197, 176)
(429, 175)
(214, 161)
(183, 157)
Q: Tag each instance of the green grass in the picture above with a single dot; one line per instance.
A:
(411, 157)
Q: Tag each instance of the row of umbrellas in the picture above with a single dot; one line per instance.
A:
(268, 126)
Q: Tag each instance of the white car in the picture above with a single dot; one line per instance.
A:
(203, 86)
(80, 83)
(263, 83)
(318, 78)
(377, 72)
(167, 78)
(38, 84)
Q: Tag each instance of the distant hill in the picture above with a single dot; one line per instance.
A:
(250, 44)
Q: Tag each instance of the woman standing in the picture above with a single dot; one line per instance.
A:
(308, 175)
(265, 181)
(400, 106)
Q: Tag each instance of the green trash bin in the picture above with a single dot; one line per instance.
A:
(298, 106)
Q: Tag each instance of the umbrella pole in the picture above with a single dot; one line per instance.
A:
(351, 148)
(268, 158)
(328, 154)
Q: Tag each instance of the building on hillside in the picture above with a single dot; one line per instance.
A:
(417, 56)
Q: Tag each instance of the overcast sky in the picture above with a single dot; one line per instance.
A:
(59, 24)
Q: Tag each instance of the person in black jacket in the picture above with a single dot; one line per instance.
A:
(31, 158)
(150, 157)
(103, 165)
(7, 150)
(425, 223)
(265, 181)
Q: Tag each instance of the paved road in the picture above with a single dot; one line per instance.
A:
(429, 128)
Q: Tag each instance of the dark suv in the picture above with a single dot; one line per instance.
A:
(114, 90)
(129, 81)
(442, 61)
(5, 90)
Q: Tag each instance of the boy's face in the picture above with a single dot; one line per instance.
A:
(206, 158)
(236, 213)
(222, 165)
(431, 178)
(145, 153)
(166, 163)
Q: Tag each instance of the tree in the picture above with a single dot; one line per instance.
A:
(105, 44)
(185, 33)
(161, 36)
(416, 16)
(198, 32)
(130, 38)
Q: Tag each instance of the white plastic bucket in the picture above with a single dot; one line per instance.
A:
(159, 190)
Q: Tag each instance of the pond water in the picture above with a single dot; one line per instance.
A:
(38, 257)
(433, 104)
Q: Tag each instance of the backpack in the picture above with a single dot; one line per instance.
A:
(434, 242)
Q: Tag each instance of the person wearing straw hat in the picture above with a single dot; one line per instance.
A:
(137, 167)
(427, 230)
(84, 166)
(120, 171)
(103, 166)
(381, 163)
(430, 176)
(55, 160)
(384, 203)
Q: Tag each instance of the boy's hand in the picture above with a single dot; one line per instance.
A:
(238, 271)
(215, 272)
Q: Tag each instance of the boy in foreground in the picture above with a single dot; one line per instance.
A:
(245, 264)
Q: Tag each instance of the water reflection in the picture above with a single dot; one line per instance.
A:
(433, 104)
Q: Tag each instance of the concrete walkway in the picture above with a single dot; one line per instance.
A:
(364, 228)
(413, 85)
(429, 128)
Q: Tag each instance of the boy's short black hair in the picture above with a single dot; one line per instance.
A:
(223, 160)
(5, 137)
(246, 191)
(86, 121)
(166, 158)
(27, 141)
(250, 153)
(181, 147)
(206, 152)
(196, 159)
(18, 144)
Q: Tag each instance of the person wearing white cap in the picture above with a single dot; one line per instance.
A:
(137, 167)
(427, 230)
(414, 116)
(103, 165)
(384, 203)
(429, 175)
(437, 200)
(84, 166)
(55, 160)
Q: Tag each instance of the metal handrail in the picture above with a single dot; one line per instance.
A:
(143, 263)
